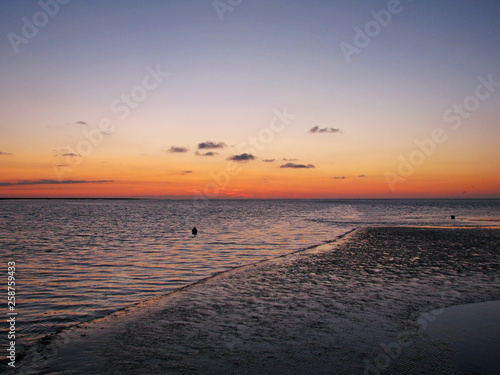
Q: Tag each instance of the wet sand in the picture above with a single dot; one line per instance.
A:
(355, 306)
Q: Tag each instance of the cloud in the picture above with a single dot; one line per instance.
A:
(177, 149)
(209, 145)
(5, 153)
(339, 178)
(317, 129)
(285, 159)
(180, 173)
(242, 157)
(53, 182)
(293, 165)
(70, 154)
(81, 123)
(362, 175)
(209, 153)
(268, 160)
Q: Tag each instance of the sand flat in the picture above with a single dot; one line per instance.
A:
(351, 307)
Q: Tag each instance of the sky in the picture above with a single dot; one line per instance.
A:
(250, 99)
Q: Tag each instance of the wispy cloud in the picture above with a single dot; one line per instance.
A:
(180, 173)
(53, 182)
(70, 154)
(317, 129)
(5, 153)
(177, 149)
(209, 153)
(210, 145)
(339, 178)
(293, 165)
(242, 157)
(81, 123)
(362, 175)
(268, 160)
(285, 159)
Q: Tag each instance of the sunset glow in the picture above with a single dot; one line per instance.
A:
(176, 99)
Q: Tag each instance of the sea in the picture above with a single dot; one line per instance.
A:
(81, 259)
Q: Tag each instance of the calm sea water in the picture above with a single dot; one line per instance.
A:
(77, 260)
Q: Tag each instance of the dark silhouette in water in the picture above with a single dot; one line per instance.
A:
(452, 217)
(194, 231)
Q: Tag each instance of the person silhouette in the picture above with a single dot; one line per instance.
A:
(194, 231)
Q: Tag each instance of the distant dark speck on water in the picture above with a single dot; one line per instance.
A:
(452, 217)
(194, 230)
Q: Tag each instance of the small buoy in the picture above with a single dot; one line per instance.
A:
(453, 217)
(194, 231)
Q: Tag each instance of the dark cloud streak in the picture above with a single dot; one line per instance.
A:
(53, 182)
(242, 157)
(211, 145)
(317, 129)
(209, 153)
(174, 149)
(293, 165)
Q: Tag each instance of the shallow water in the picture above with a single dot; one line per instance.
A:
(473, 330)
(77, 260)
